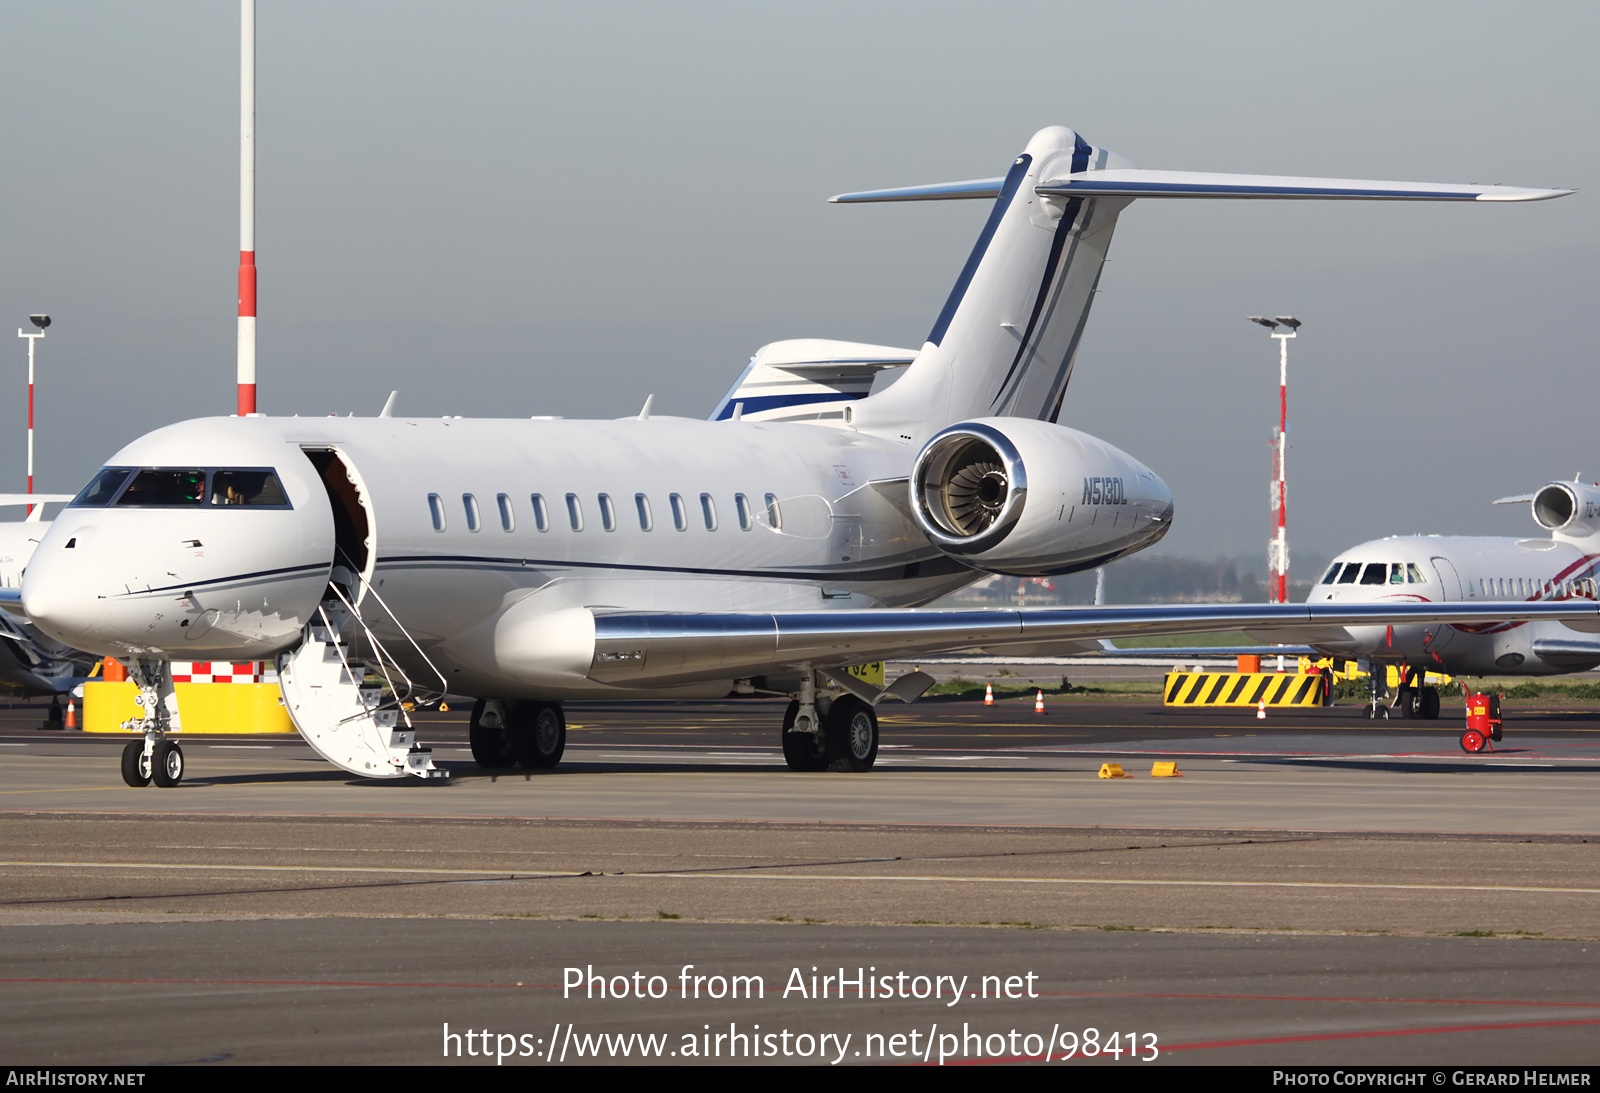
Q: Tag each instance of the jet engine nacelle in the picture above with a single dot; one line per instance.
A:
(1570, 509)
(1028, 498)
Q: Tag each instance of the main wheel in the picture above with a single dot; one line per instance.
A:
(1405, 704)
(1472, 741)
(851, 729)
(135, 767)
(538, 734)
(166, 764)
(801, 750)
(1428, 703)
(491, 746)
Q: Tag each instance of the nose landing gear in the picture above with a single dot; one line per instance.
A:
(155, 758)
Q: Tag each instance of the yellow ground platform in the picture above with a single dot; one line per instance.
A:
(203, 707)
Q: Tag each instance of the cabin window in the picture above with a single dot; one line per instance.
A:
(743, 505)
(608, 513)
(436, 510)
(708, 509)
(1375, 573)
(1414, 574)
(541, 515)
(680, 513)
(1332, 573)
(642, 503)
(574, 512)
(508, 521)
(774, 514)
(1351, 572)
(470, 503)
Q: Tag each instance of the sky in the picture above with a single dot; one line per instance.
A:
(508, 209)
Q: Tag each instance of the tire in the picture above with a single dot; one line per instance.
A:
(1428, 704)
(490, 747)
(538, 734)
(1472, 741)
(166, 764)
(851, 730)
(801, 750)
(135, 771)
(1405, 704)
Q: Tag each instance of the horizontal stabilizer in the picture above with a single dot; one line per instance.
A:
(1519, 499)
(939, 191)
(1136, 182)
(1140, 183)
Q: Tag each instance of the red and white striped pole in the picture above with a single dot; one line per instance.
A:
(1278, 545)
(247, 207)
(40, 321)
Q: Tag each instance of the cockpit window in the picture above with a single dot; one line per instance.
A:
(257, 488)
(1332, 573)
(1414, 574)
(1351, 571)
(1375, 573)
(163, 487)
(103, 488)
(1397, 575)
(251, 487)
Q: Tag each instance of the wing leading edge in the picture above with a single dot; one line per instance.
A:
(633, 648)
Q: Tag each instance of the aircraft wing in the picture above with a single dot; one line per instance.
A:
(634, 648)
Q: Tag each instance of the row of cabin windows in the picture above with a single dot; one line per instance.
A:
(608, 512)
(1374, 573)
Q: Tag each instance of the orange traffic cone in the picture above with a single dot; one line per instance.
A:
(988, 695)
(1261, 711)
(72, 714)
(1038, 703)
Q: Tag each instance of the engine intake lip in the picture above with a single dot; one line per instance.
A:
(968, 488)
(1554, 506)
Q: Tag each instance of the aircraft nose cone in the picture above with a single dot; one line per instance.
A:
(65, 614)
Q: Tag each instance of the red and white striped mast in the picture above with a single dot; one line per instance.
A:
(1278, 545)
(247, 207)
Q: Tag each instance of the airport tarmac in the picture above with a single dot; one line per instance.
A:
(1336, 890)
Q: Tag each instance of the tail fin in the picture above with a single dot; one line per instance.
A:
(1005, 342)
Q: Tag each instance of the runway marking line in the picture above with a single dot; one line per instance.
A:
(510, 874)
(1107, 881)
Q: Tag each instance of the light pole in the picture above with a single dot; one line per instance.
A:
(40, 321)
(1278, 545)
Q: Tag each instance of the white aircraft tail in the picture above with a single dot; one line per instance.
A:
(1006, 340)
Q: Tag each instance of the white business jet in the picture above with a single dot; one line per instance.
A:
(1473, 569)
(525, 562)
(30, 662)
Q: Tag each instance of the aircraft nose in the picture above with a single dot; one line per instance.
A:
(61, 608)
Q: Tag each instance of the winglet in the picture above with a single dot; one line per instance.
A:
(388, 406)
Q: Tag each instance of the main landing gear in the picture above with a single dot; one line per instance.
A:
(822, 734)
(1411, 701)
(506, 733)
(154, 758)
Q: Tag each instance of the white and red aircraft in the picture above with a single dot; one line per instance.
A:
(1428, 569)
(526, 562)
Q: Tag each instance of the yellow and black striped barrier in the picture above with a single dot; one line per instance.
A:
(1245, 689)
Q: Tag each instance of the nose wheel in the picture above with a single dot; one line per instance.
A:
(161, 764)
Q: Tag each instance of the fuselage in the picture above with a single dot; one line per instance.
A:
(1439, 569)
(468, 537)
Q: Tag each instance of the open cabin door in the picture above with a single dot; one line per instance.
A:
(355, 551)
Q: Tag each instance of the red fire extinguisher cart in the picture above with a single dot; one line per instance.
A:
(1483, 723)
